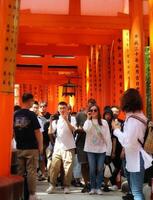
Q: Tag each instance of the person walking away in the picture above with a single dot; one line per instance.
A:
(29, 142)
(35, 109)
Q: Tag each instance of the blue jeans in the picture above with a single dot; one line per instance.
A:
(137, 180)
(96, 166)
(126, 174)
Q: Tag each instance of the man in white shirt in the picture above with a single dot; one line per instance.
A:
(63, 150)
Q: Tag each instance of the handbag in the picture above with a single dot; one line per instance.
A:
(108, 170)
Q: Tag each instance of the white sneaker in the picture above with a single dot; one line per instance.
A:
(92, 191)
(51, 190)
(113, 188)
(67, 190)
(99, 192)
(33, 197)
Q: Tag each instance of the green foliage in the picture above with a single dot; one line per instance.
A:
(148, 82)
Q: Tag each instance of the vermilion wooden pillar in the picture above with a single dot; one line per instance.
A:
(39, 90)
(98, 75)
(126, 58)
(105, 81)
(83, 82)
(94, 72)
(112, 75)
(94, 65)
(99, 78)
(80, 97)
(52, 98)
(137, 75)
(151, 46)
(9, 10)
(91, 74)
(117, 76)
(45, 68)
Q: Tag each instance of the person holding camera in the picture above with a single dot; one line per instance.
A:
(64, 149)
(137, 160)
(98, 144)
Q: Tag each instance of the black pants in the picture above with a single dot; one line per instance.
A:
(117, 164)
(148, 175)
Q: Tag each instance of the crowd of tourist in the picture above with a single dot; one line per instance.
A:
(92, 148)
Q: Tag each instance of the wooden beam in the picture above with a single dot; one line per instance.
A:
(29, 77)
(80, 50)
(65, 36)
(75, 22)
(46, 38)
(60, 22)
(48, 61)
(55, 70)
(65, 30)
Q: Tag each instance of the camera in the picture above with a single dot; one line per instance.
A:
(55, 117)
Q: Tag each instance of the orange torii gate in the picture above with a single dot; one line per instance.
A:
(94, 59)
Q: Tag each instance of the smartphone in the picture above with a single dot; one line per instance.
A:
(89, 114)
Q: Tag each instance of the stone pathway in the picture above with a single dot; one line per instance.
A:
(75, 194)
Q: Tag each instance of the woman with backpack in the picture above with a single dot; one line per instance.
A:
(132, 138)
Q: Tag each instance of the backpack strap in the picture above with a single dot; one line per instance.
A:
(69, 118)
(139, 119)
(145, 123)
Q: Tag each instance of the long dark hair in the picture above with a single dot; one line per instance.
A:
(99, 115)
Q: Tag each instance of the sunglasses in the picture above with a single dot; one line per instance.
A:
(93, 110)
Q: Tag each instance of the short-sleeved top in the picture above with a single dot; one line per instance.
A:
(25, 124)
(64, 139)
(45, 122)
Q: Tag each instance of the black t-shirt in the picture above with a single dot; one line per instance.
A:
(25, 123)
(118, 149)
(80, 138)
(45, 119)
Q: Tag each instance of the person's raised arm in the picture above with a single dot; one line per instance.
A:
(72, 128)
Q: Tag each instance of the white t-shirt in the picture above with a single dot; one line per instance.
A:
(98, 138)
(41, 125)
(64, 138)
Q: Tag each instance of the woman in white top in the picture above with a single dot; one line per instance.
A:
(137, 160)
(97, 145)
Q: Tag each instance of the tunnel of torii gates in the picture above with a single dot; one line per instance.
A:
(112, 61)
